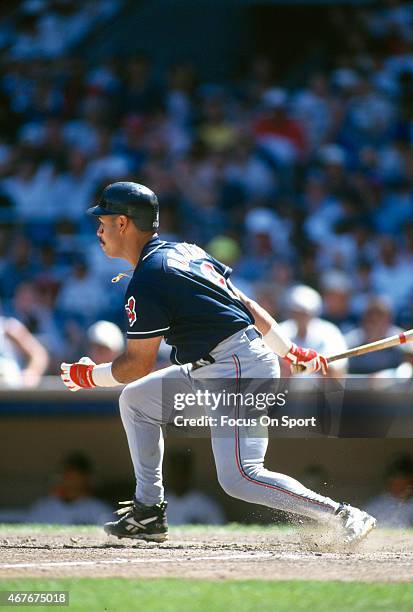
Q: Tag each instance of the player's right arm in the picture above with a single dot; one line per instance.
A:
(136, 361)
(148, 320)
(302, 358)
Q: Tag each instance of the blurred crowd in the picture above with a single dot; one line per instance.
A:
(309, 184)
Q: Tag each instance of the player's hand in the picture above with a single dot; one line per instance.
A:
(306, 360)
(78, 375)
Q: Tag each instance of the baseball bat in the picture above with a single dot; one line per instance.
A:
(379, 345)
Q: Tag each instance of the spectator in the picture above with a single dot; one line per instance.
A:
(247, 169)
(323, 210)
(75, 185)
(315, 109)
(390, 271)
(81, 296)
(16, 341)
(306, 180)
(267, 234)
(336, 294)
(305, 328)
(186, 505)
(376, 323)
(71, 500)
(403, 371)
(34, 306)
(106, 341)
(394, 507)
(279, 135)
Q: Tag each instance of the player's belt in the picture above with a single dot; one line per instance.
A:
(251, 334)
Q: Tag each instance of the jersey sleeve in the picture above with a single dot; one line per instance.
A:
(147, 313)
(224, 270)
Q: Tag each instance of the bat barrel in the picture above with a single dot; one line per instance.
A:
(379, 345)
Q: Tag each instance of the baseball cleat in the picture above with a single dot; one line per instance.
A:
(140, 522)
(356, 523)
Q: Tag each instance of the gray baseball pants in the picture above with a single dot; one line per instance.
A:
(239, 459)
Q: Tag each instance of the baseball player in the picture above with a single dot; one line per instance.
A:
(179, 292)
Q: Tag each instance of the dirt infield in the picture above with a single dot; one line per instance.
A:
(279, 554)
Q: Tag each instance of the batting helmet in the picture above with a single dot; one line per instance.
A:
(130, 199)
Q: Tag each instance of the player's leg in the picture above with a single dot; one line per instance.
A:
(246, 478)
(239, 451)
(239, 456)
(145, 405)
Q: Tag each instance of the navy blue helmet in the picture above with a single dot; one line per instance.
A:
(130, 199)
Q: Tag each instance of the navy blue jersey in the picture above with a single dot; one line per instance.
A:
(180, 292)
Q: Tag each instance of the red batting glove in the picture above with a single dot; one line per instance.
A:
(78, 375)
(306, 360)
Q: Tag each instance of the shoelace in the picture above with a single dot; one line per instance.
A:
(129, 505)
(349, 521)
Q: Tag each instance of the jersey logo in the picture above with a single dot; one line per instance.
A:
(130, 310)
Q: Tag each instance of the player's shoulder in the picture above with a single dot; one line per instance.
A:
(185, 251)
(150, 263)
(181, 255)
(161, 260)
(158, 258)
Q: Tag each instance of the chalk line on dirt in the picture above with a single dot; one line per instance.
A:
(245, 556)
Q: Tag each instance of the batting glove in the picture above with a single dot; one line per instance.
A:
(305, 360)
(78, 375)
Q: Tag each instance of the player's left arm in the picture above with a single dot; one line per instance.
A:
(136, 361)
(278, 342)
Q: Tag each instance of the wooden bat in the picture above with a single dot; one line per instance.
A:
(379, 345)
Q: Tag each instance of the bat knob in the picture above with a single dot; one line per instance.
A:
(297, 369)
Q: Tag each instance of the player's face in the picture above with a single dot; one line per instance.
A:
(109, 235)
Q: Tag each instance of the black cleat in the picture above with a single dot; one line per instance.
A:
(140, 522)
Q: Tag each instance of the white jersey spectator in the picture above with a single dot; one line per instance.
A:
(193, 508)
(70, 501)
(84, 511)
(16, 341)
(187, 505)
(394, 507)
(305, 328)
(391, 512)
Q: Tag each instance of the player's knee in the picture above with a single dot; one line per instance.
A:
(125, 399)
(240, 483)
(230, 481)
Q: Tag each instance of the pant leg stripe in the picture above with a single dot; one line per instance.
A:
(238, 459)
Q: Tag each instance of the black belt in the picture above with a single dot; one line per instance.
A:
(252, 334)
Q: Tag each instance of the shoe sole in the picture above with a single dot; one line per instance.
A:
(148, 537)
